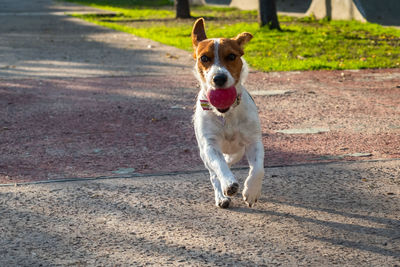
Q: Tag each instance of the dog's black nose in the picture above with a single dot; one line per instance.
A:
(220, 79)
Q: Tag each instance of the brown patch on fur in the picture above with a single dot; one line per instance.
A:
(204, 48)
(198, 34)
(227, 48)
(243, 38)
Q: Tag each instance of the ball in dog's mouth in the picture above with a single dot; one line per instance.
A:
(222, 98)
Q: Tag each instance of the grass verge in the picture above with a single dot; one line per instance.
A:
(303, 43)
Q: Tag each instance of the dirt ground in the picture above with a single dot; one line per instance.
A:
(99, 165)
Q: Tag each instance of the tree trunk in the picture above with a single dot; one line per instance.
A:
(267, 14)
(182, 9)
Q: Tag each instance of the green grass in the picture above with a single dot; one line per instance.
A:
(303, 43)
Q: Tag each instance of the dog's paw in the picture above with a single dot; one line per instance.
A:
(251, 194)
(231, 189)
(223, 202)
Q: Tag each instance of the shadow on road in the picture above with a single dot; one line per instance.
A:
(307, 215)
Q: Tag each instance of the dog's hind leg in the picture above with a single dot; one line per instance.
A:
(252, 185)
(220, 200)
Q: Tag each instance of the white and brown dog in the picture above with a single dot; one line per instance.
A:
(226, 119)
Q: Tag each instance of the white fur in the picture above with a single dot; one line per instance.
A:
(223, 139)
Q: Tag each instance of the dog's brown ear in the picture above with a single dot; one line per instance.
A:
(198, 32)
(243, 38)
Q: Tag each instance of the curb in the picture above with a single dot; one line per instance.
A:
(140, 175)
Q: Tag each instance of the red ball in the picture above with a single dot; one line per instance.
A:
(222, 98)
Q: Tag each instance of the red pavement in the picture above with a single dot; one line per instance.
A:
(89, 127)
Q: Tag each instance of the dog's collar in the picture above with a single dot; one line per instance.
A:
(205, 105)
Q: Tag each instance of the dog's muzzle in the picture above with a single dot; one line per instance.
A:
(220, 79)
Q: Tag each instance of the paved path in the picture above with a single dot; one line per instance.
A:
(38, 40)
(111, 113)
(314, 215)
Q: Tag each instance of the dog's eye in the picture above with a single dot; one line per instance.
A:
(204, 59)
(231, 57)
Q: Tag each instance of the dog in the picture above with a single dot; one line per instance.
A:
(226, 121)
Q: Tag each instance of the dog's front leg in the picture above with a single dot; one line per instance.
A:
(220, 200)
(215, 162)
(253, 183)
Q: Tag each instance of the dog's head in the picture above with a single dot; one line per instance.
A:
(218, 61)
